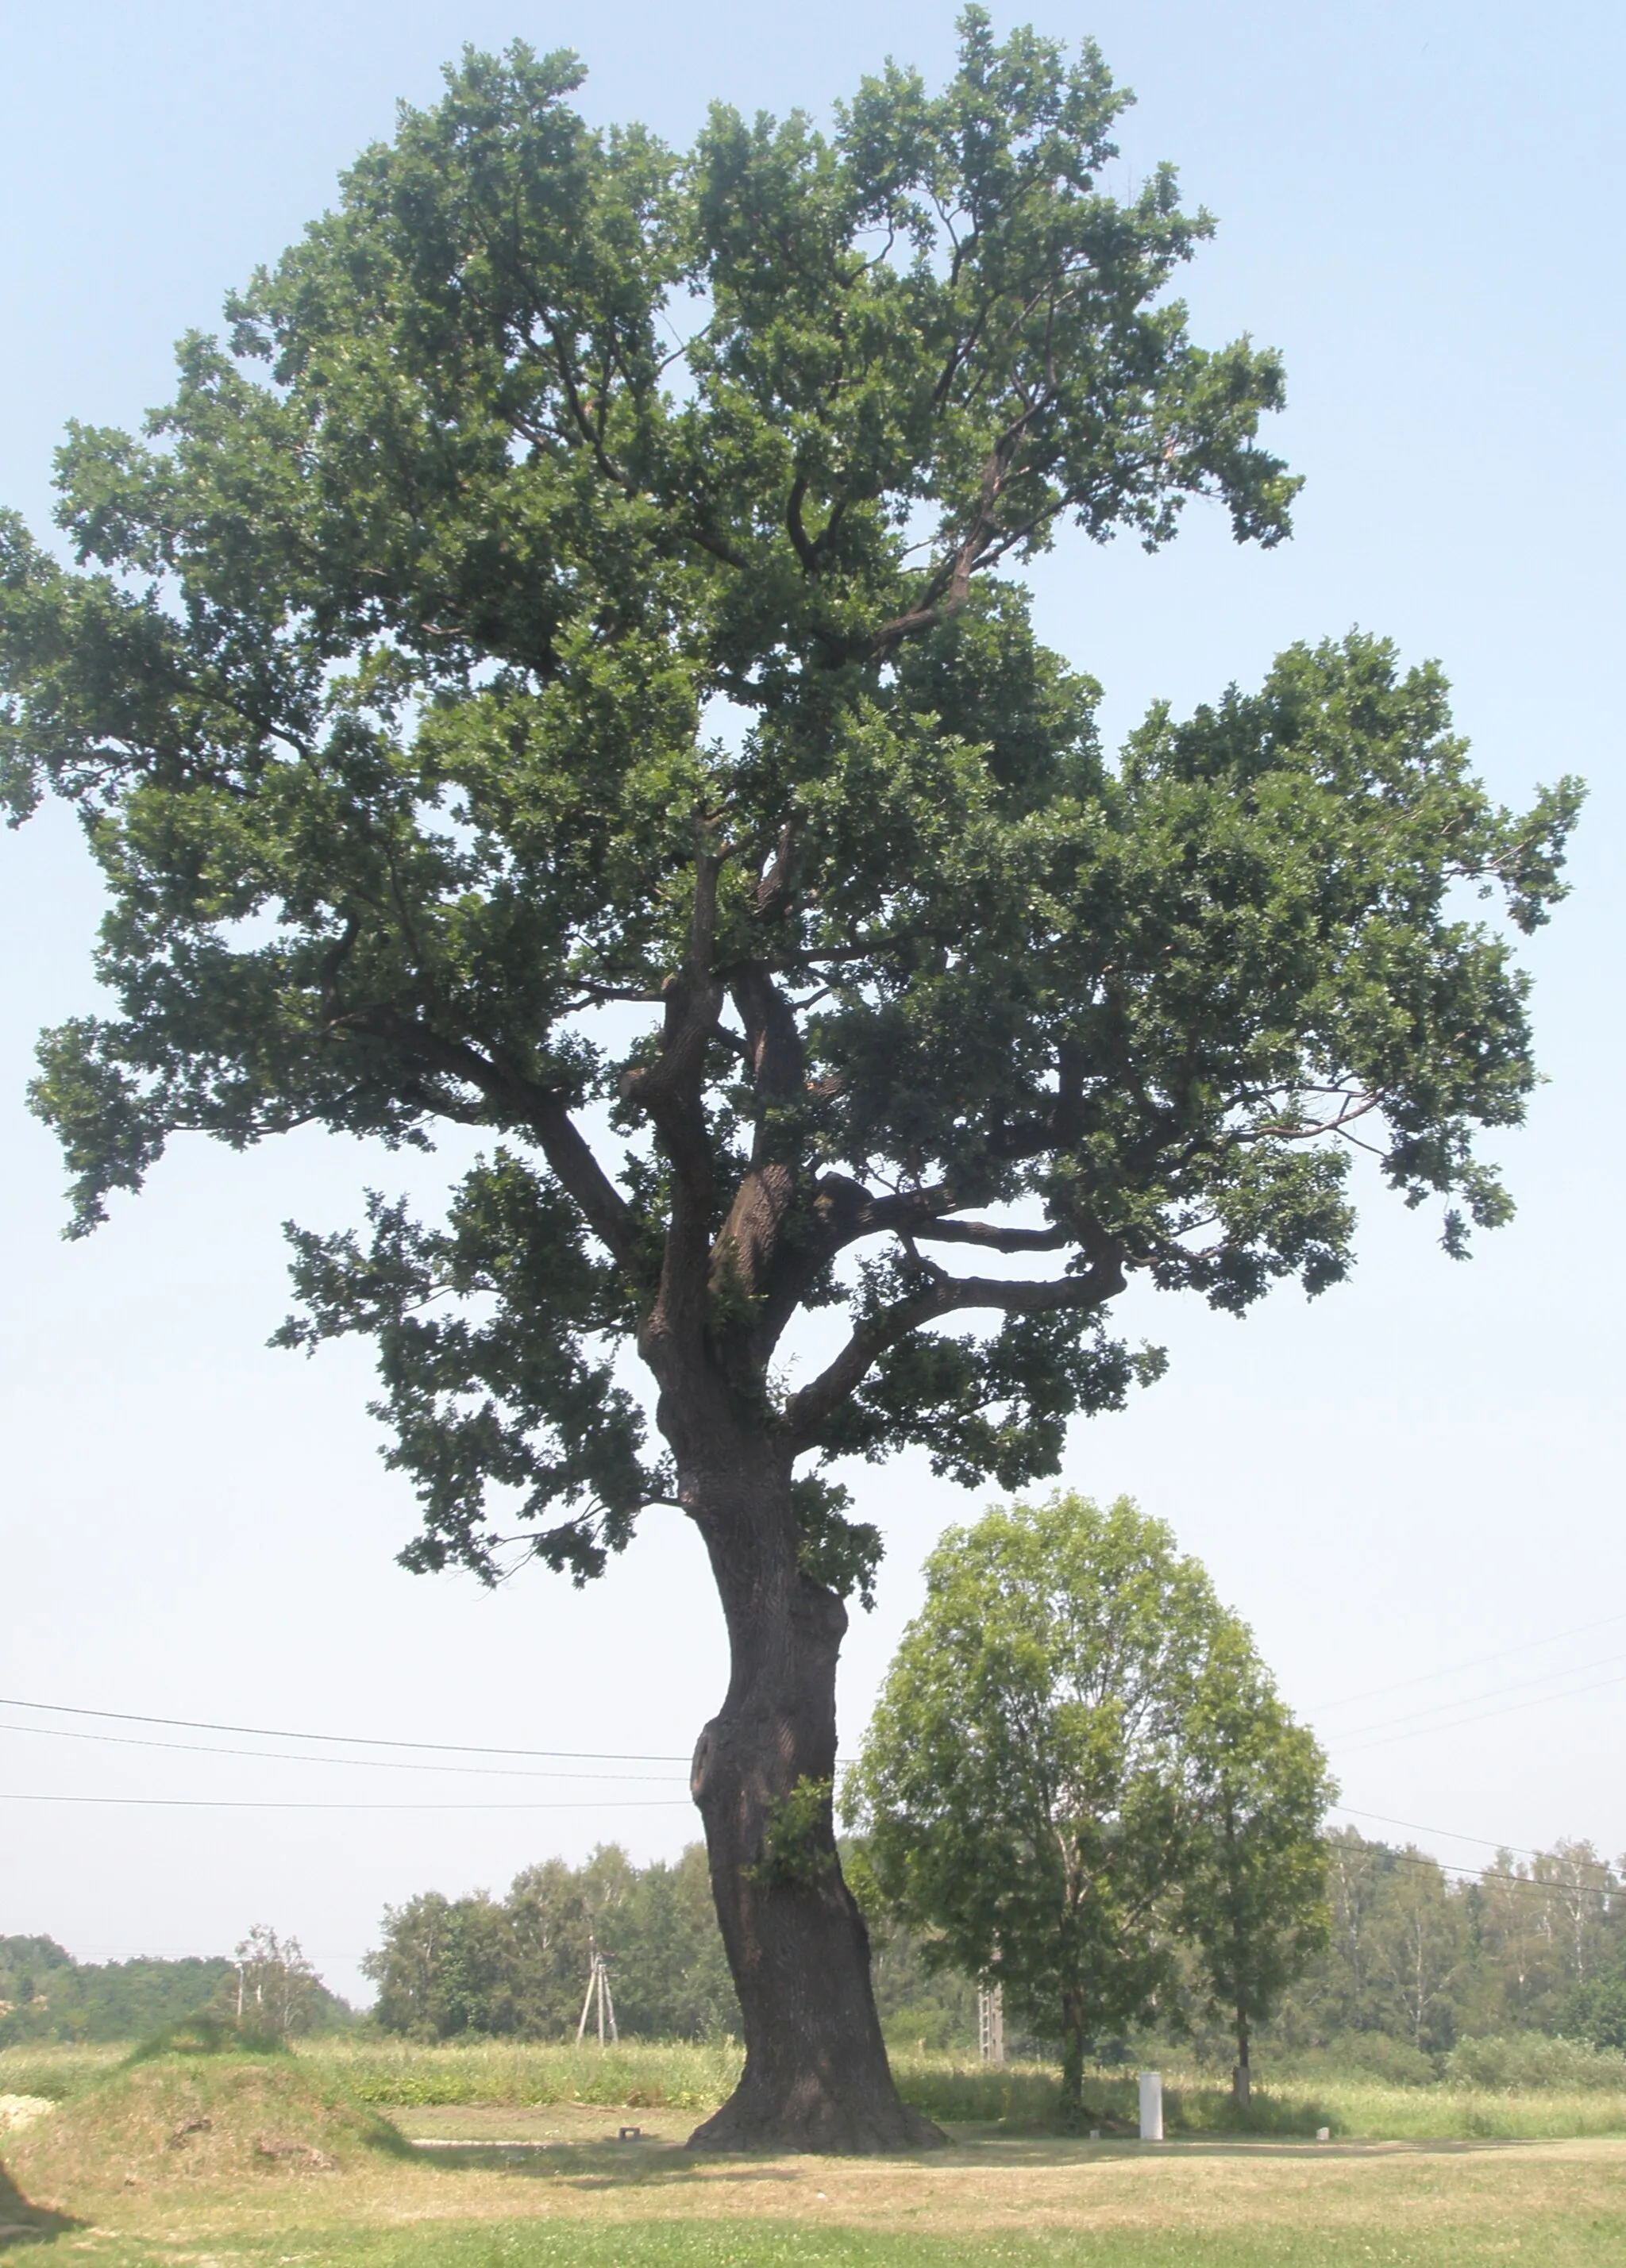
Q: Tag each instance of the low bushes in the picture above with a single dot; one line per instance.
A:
(1527, 2060)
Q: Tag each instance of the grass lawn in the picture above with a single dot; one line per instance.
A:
(207, 2163)
(555, 2189)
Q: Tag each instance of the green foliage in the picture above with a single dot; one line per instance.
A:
(799, 1841)
(1417, 1961)
(516, 1968)
(272, 1991)
(210, 2034)
(842, 1554)
(1526, 2059)
(643, 2074)
(1078, 1759)
(1594, 2011)
(386, 680)
(46, 1995)
(1253, 1890)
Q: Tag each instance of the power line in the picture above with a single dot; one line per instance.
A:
(1456, 1669)
(1468, 1700)
(340, 1740)
(1414, 1827)
(247, 1803)
(1459, 1724)
(350, 1763)
(1485, 1877)
(579, 1756)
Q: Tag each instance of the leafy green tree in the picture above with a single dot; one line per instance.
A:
(1026, 1786)
(445, 1968)
(517, 1967)
(1252, 1893)
(1417, 1943)
(37, 1976)
(554, 669)
(272, 1988)
(667, 1964)
(45, 1994)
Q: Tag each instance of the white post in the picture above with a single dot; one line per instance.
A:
(592, 1978)
(592, 1986)
(990, 2024)
(1151, 2106)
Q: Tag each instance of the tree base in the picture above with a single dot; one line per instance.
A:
(812, 2122)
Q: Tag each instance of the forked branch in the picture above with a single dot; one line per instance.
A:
(807, 1413)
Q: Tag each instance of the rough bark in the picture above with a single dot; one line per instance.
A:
(816, 2075)
(1242, 2078)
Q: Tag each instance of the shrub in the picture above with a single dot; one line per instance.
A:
(1530, 2059)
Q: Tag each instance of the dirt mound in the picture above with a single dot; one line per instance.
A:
(22, 2223)
(179, 2121)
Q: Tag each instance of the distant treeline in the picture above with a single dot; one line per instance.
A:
(1417, 1960)
(517, 1967)
(45, 1994)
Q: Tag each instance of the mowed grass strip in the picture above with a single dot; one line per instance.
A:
(1558, 2239)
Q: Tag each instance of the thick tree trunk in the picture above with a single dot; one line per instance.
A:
(1241, 2077)
(816, 2076)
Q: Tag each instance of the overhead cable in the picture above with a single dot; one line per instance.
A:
(255, 1803)
(350, 1763)
(1479, 1661)
(340, 1740)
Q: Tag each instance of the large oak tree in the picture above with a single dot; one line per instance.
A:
(549, 670)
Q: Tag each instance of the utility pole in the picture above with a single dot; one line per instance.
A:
(990, 2024)
(597, 1989)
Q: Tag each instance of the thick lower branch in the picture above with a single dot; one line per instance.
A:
(541, 1109)
(808, 1413)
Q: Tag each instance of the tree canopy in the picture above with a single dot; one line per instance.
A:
(1052, 1784)
(397, 702)
(556, 668)
(1251, 1897)
(487, 1967)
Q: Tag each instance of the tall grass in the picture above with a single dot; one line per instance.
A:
(680, 2076)
(687, 2077)
(647, 2074)
(55, 2072)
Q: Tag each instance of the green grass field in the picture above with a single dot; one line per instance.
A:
(299, 2162)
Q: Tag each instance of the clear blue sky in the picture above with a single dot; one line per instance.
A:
(1419, 204)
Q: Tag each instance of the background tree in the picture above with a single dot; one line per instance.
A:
(446, 1969)
(45, 1994)
(1416, 1946)
(272, 1987)
(549, 671)
(1025, 1786)
(517, 1967)
(1252, 1893)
